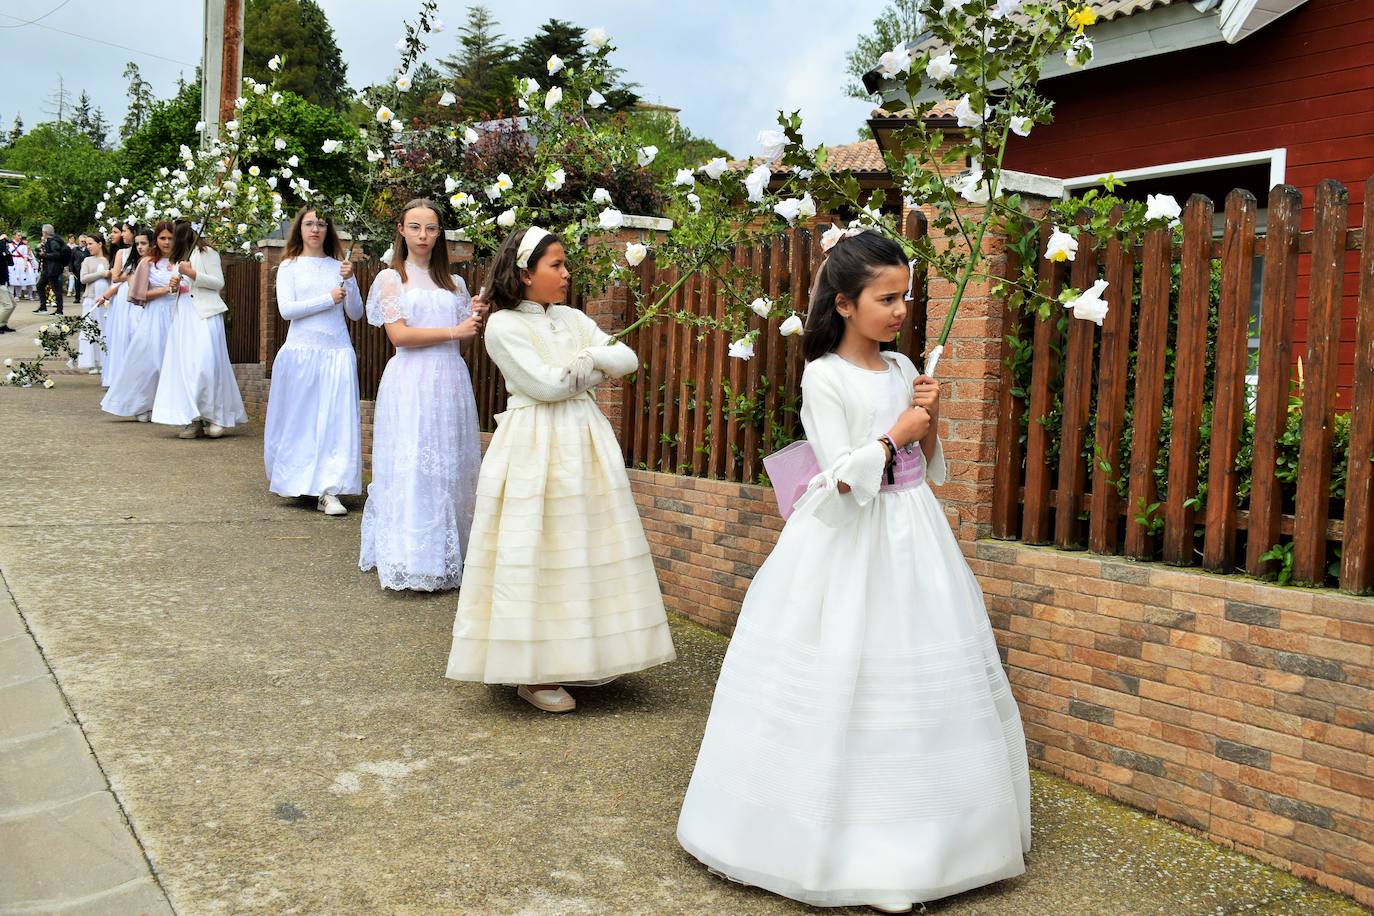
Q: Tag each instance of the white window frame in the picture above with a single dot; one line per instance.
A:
(1276, 159)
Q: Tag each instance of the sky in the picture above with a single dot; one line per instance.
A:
(730, 66)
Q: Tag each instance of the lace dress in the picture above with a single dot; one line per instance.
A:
(312, 444)
(425, 446)
(561, 587)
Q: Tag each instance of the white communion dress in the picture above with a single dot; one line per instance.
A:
(312, 444)
(197, 380)
(120, 321)
(95, 275)
(134, 386)
(426, 445)
(560, 585)
(863, 744)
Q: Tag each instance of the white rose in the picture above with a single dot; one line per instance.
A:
(757, 182)
(596, 38)
(967, 117)
(893, 62)
(715, 168)
(972, 187)
(773, 143)
(788, 209)
(554, 63)
(601, 196)
(553, 98)
(275, 63)
(447, 99)
(1061, 246)
(645, 155)
(942, 67)
(684, 177)
(761, 306)
(635, 253)
(793, 325)
(555, 180)
(330, 146)
(506, 219)
(611, 218)
(596, 99)
(1021, 126)
(279, 143)
(742, 348)
(403, 83)
(1090, 306)
(695, 201)
(1162, 206)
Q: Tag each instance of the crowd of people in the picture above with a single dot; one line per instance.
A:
(863, 745)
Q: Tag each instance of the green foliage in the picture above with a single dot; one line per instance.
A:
(899, 23)
(141, 101)
(165, 127)
(678, 147)
(481, 71)
(565, 39)
(69, 176)
(299, 31)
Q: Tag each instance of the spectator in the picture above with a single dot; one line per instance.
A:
(6, 300)
(52, 260)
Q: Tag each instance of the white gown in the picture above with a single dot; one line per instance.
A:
(134, 386)
(560, 586)
(863, 744)
(197, 380)
(312, 443)
(120, 321)
(88, 355)
(425, 446)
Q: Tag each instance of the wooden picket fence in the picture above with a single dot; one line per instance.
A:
(1075, 501)
(241, 294)
(690, 409)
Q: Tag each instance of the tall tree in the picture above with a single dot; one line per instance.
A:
(59, 102)
(81, 113)
(558, 36)
(298, 30)
(141, 101)
(69, 177)
(17, 131)
(899, 22)
(481, 68)
(99, 129)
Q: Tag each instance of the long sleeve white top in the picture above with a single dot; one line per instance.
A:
(304, 298)
(534, 348)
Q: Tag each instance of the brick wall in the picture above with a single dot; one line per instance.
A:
(1240, 709)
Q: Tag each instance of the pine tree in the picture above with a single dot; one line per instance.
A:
(140, 101)
(300, 32)
(18, 130)
(81, 113)
(99, 129)
(557, 36)
(481, 70)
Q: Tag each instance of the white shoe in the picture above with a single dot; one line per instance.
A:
(191, 430)
(890, 907)
(329, 504)
(95, 371)
(145, 417)
(549, 699)
(213, 430)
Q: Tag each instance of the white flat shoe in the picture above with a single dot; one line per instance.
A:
(890, 907)
(213, 430)
(549, 699)
(329, 504)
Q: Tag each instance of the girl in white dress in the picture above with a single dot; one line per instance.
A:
(863, 746)
(95, 279)
(196, 387)
(560, 587)
(24, 271)
(152, 291)
(312, 445)
(120, 321)
(425, 437)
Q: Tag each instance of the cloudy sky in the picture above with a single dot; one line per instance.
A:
(729, 65)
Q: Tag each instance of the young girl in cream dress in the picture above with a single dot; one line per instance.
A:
(560, 587)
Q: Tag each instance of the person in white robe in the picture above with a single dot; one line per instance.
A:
(95, 279)
(152, 292)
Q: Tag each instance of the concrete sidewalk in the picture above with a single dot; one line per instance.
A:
(279, 734)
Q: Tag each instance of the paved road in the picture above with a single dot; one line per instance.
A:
(183, 650)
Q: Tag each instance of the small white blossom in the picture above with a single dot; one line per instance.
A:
(773, 143)
(972, 187)
(506, 219)
(757, 182)
(761, 306)
(967, 117)
(330, 146)
(685, 178)
(792, 325)
(384, 114)
(596, 38)
(260, 89)
(635, 253)
(241, 228)
(1162, 206)
(893, 62)
(254, 170)
(742, 348)
(1080, 53)
(611, 218)
(555, 180)
(436, 24)
(447, 99)
(375, 155)
(695, 201)
(47, 383)
(1021, 126)
(645, 155)
(1061, 246)
(294, 161)
(601, 196)
(276, 98)
(470, 136)
(275, 63)
(788, 209)
(450, 184)
(553, 98)
(1090, 306)
(200, 127)
(715, 168)
(554, 63)
(596, 99)
(403, 82)
(942, 67)
(397, 127)
(279, 143)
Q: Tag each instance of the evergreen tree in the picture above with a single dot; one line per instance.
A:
(899, 23)
(17, 131)
(300, 32)
(481, 69)
(557, 36)
(81, 113)
(141, 101)
(99, 129)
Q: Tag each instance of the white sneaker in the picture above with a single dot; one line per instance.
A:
(213, 430)
(329, 504)
(145, 417)
(95, 371)
(191, 430)
(890, 907)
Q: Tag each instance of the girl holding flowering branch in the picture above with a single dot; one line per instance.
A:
(95, 279)
(134, 387)
(426, 446)
(560, 586)
(863, 746)
(196, 388)
(312, 445)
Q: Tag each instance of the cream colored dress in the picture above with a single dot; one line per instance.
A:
(558, 584)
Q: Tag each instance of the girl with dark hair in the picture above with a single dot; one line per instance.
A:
(152, 289)
(95, 279)
(425, 440)
(312, 445)
(863, 745)
(122, 317)
(560, 588)
(196, 388)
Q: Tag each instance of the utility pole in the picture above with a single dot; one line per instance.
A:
(221, 63)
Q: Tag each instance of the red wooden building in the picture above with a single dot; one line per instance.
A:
(1203, 96)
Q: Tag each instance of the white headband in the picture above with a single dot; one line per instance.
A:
(533, 236)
